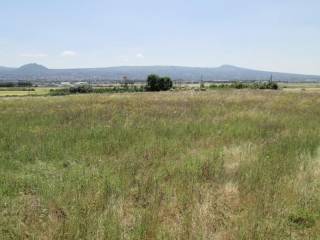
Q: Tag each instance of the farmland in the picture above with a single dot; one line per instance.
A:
(218, 164)
(15, 92)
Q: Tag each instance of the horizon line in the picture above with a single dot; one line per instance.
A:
(141, 66)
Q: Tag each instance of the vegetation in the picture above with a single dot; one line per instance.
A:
(178, 165)
(23, 89)
(240, 85)
(156, 83)
(15, 84)
(90, 89)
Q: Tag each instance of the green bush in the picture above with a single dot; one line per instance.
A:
(81, 89)
(16, 84)
(240, 85)
(59, 92)
(71, 90)
(119, 89)
(89, 89)
(265, 85)
(272, 85)
(17, 89)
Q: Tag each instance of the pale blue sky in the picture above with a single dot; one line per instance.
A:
(282, 35)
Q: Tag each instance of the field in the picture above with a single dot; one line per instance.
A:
(231, 164)
(6, 92)
(43, 91)
(298, 87)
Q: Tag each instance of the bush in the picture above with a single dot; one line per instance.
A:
(89, 89)
(272, 85)
(265, 85)
(220, 86)
(156, 83)
(59, 92)
(81, 89)
(239, 85)
(119, 89)
(16, 84)
(71, 90)
(17, 89)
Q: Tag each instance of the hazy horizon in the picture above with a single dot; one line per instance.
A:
(269, 35)
(135, 66)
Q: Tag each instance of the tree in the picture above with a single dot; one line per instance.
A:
(153, 83)
(165, 83)
(156, 83)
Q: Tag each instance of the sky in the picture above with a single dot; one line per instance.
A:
(275, 35)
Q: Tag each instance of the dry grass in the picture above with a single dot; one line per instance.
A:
(38, 91)
(186, 165)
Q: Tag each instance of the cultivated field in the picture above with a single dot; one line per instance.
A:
(231, 164)
(6, 92)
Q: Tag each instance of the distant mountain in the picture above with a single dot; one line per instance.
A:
(39, 73)
(32, 68)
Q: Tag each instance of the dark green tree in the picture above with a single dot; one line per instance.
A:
(153, 83)
(165, 83)
(156, 83)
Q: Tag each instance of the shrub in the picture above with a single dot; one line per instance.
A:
(272, 85)
(265, 85)
(90, 89)
(59, 92)
(81, 89)
(240, 85)
(213, 86)
(17, 89)
(71, 90)
(119, 89)
(16, 84)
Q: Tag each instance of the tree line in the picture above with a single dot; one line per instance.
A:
(16, 84)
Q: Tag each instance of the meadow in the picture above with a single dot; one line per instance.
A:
(220, 164)
(19, 92)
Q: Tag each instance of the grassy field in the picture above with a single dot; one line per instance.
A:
(37, 92)
(182, 165)
(43, 91)
(298, 87)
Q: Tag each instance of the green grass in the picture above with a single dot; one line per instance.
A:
(181, 165)
(5, 92)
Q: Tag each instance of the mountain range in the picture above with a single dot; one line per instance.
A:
(39, 73)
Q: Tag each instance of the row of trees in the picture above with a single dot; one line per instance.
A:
(16, 84)
(239, 85)
(154, 83)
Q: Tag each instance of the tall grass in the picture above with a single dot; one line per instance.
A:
(186, 165)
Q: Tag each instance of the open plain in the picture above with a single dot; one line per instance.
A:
(233, 164)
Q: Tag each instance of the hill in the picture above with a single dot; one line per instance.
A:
(36, 72)
(32, 68)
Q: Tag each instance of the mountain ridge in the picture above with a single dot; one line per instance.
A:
(40, 73)
(32, 67)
